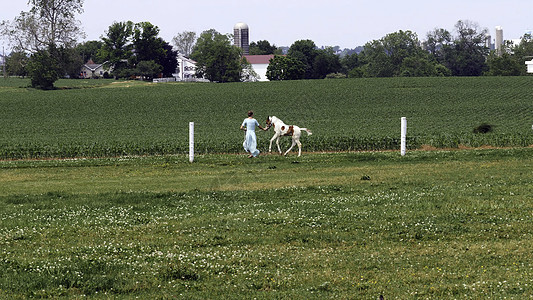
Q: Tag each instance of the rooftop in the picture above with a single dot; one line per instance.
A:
(259, 59)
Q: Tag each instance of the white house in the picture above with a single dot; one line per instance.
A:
(259, 65)
(529, 65)
(186, 69)
(92, 70)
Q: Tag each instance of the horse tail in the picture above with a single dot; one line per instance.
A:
(307, 130)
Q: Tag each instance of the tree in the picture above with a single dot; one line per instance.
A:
(148, 69)
(263, 48)
(523, 52)
(417, 66)
(217, 60)
(185, 42)
(43, 70)
(466, 56)
(48, 23)
(350, 61)
(503, 65)
(69, 62)
(305, 51)
(127, 44)
(117, 47)
(396, 54)
(317, 63)
(16, 64)
(147, 44)
(89, 50)
(352, 65)
(285, 68)
(326, 62)
(149, 49)
(376, 59)
(525, 48)
(50, 26)
(170, 61)
(438, 42)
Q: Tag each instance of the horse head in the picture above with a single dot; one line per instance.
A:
(268, 122)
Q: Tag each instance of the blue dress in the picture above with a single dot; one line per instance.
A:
(250, 141)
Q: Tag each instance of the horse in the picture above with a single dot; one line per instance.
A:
(281, 129)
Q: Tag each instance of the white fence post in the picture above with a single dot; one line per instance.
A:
(403, 136)
(191, 141)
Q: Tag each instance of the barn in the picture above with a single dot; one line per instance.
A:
(259, 64)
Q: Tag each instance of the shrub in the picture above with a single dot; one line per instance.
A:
(43, 70)
(483, 128)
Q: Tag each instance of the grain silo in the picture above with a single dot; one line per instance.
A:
(488, 42)
(498, 44)
(241, 37)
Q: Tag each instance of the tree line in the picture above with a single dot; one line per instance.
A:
(402, 54)
(465, 53)
(45, 48)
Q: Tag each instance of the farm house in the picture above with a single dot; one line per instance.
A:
(186, 69)
(93, 70)
(529, 65)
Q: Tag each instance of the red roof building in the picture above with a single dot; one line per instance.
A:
(260, 64)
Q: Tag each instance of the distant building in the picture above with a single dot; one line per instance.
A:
(259, 65)
(241, 35)
(186, 69)
(93, 70)
(499, 40)
(529, 65)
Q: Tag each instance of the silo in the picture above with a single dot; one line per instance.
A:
(241, 37)
(488, 42)
(499, 40)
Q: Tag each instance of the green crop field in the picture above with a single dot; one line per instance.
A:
(105, 118)
(98, 199)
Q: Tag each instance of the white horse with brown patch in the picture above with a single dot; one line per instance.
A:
(281, 129)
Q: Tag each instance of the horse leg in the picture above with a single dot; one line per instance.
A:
(271, 140)
(277, 143)
(299, 147)
(292, 145)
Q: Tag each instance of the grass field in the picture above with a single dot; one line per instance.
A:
(433, 224)
(99, 118)
(127, 216)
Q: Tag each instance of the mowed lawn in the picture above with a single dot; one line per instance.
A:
(352, 225)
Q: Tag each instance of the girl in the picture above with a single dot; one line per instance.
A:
(250, 141)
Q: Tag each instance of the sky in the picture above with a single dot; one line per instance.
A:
(344, 23)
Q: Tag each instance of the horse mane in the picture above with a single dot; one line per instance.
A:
(275, 119)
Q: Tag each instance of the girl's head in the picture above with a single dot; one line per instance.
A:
(250, 113)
